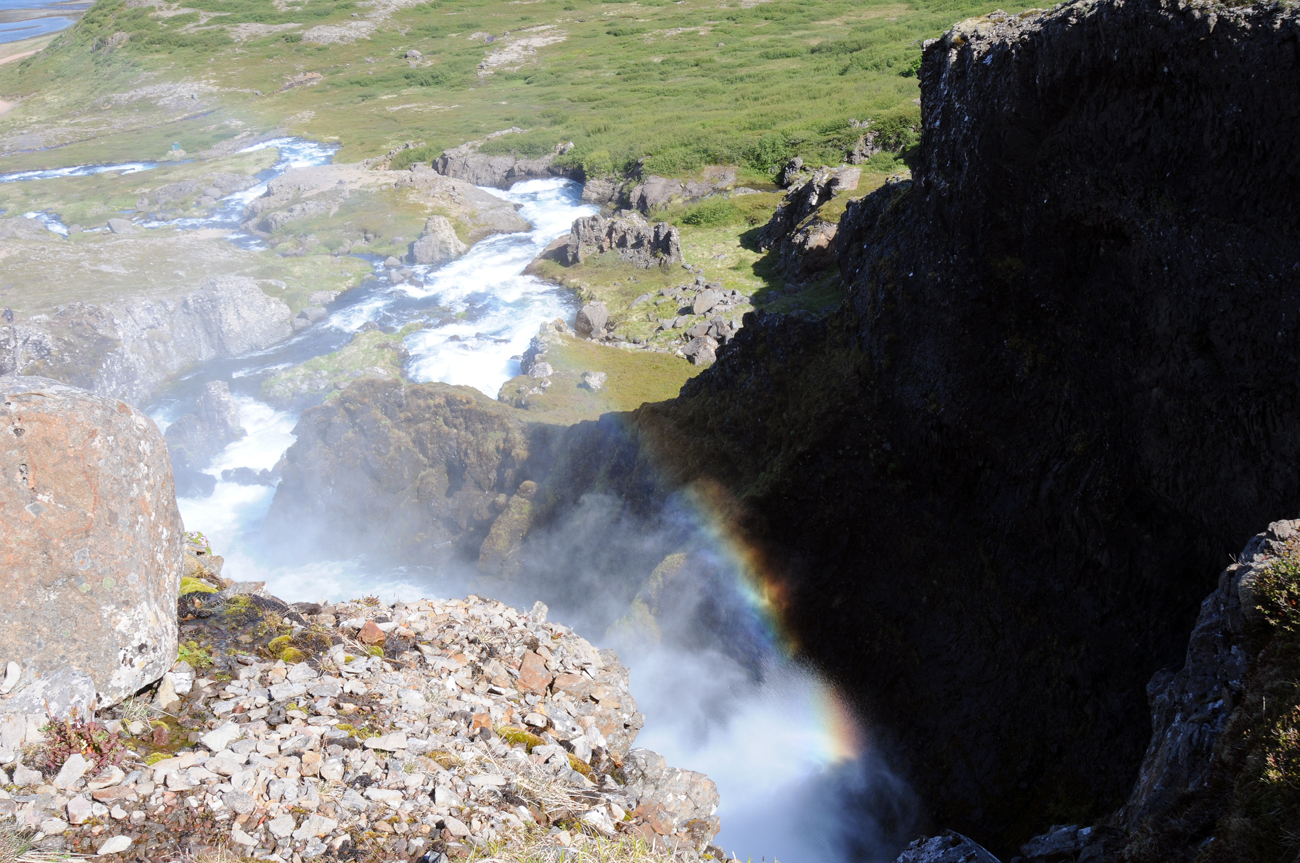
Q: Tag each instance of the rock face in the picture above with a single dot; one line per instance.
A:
(635, 240)
(947, 847)
(438, 244)
(422, 470)
(680, 801)
(1049, 399)
(195, 438)
(91, 552)
(130, 348)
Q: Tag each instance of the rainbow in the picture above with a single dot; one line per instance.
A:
(766, 595)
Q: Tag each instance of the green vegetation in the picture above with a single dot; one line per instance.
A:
(197, 656)
(634, 378)
(1259, 752)
(516, 736)
(681, 85)
(194, 585)
(369, 354)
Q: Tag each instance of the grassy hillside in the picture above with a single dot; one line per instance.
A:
(682, 82)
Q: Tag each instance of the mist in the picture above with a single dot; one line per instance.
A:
(798, 775)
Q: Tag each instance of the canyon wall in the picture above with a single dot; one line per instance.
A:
(129, 348)
(1061, 393)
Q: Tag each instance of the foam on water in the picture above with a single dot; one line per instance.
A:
(50, 221)
(499, 309)
(78, 171)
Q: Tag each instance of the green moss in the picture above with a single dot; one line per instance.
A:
(369, 354)
(197, 656)
(516, 736)
(194, 585)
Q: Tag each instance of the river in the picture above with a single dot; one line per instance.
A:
(798, 779)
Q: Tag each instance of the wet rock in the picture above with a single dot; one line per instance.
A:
(636, 241)
(195, 438)
(948, 847)
(438, 244)
(248, 476)
(93, 543)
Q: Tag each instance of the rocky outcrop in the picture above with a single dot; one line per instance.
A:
(195, 438)
(128, 349)
(420, 470)
(438, 243)
(635, 240)
(501, 172)
(652, 192)
(591, 321)
(673, 800)
(303, 193)
(806, 242)
(947, 847)
(91, 551)
(22, 228)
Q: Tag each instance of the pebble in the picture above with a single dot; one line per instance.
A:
(439, 740)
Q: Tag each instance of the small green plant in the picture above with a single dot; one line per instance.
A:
(197, 656)
(67, 737)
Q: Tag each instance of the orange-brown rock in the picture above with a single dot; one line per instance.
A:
(90, 547)
(533, 675)
(371, 634)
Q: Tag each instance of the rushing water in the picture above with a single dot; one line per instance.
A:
(796, 778)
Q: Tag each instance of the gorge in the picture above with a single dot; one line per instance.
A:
(973, 510)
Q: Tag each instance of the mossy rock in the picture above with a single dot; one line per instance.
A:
(194, 585)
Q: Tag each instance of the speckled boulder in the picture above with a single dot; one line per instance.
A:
(90, 545)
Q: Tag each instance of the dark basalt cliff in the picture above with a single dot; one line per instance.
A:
(1061, 393)
(998, 482)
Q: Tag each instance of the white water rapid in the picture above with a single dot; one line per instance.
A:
(796, 778)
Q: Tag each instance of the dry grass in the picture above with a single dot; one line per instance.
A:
(583, 848)
(16, 847)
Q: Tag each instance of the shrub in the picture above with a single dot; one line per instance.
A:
(67, 737)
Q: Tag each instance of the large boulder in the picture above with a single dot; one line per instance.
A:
(90, 552)
(591, 320)
(634, 239)
(438, 244)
